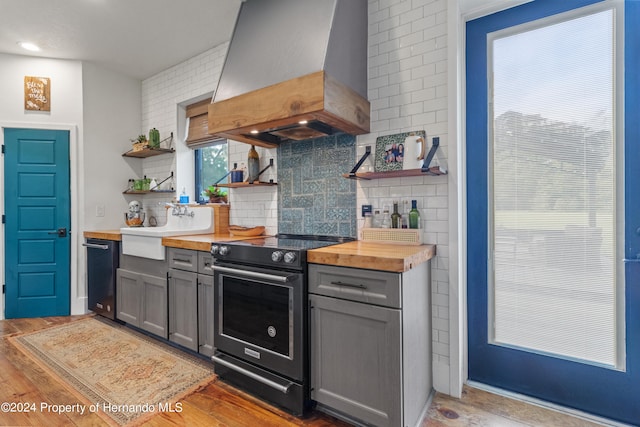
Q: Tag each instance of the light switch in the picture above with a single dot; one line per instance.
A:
(99, 210)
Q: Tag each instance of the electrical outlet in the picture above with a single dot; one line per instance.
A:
(366, 208)
(100, 210)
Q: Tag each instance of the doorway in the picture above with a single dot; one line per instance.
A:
(552, 309)
(37, 222)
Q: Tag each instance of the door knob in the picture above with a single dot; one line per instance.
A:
(61, 232)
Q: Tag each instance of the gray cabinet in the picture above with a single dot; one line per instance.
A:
(183, 312)
(142, 301)
(205, 303)
(141, 293)
(153, 316)
(370, 343)
(191, 299)
(128, 296)
(183, 297)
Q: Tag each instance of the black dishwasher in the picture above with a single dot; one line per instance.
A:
(103, 257)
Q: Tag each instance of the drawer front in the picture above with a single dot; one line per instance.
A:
(355, 284)
(205, 263)
(183, 259)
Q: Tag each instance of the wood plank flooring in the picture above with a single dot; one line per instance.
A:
(220, 405)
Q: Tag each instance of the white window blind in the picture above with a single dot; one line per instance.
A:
(553, 189)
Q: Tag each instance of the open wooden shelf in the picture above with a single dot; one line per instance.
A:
(245, 184)
(148, 191)
(147, 152)
(433, 171)
(152, 151)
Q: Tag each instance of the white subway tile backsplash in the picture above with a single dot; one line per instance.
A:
(408, 90)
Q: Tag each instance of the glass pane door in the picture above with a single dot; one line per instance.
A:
(553, 189)
(553, 251)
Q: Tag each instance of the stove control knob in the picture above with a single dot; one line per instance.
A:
(276, 256)
(215, 249)
(224, 250)
(290, 257)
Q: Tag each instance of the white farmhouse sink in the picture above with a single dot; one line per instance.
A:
(146, 242)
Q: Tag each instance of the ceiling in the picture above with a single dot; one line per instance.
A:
(139, 38)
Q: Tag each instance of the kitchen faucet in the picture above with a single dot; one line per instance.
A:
(180, 210)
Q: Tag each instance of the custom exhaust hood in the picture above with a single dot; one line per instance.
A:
(295, 69)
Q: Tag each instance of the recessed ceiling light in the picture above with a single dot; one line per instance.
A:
(29, 46)
(302, 122)
(255, 131)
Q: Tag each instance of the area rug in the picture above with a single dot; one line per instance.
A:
(122, 375)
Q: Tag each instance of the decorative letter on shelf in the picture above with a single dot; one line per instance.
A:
(37, 93)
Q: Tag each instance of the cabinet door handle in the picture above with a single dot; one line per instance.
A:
(186, 261)
(349, 285)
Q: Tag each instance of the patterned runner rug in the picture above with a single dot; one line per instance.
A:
(114, 371)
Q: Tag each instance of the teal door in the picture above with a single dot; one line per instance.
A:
(37, 222)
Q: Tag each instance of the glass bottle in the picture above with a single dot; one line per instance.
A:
(395, 217)
(368, 220)
(405, 214)
(386, 219)
(377, 218)
(414, 215)
(253, 160)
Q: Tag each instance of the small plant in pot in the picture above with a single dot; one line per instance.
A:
(215, 194)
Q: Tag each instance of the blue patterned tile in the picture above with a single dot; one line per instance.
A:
(313, 197)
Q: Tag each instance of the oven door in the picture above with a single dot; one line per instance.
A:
(259, 317)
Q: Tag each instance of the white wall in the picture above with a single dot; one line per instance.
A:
(101, 109)
(408, 90)
(66, 114)
(112, 116)
(164, 97)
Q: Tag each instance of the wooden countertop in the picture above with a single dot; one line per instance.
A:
(199, 242)
(358, 254)
(103, 234)
(373, 256)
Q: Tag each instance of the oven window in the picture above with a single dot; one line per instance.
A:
(257, 313)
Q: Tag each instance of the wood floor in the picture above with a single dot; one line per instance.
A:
(221, 405)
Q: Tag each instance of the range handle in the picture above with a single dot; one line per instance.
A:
(282, 388)
(253, 274)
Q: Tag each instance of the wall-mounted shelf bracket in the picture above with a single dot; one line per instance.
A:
(426, 165)
(170, 139)
(353, 172)
(235, 165)
(262, 171)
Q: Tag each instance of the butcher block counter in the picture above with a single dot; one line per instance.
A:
(372, 255)
(103, 234)
(198, 242)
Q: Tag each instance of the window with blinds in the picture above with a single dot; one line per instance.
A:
(554, 287)
(198, 124)
(211, 153)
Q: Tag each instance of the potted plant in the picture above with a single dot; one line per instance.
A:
(215, 194)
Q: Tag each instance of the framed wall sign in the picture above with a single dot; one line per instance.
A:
(37, 93)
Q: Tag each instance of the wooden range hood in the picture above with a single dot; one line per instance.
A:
(295, 70)
(306, 107)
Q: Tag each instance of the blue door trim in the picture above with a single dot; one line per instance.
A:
(593, 389)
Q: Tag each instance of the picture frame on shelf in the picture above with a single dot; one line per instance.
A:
(399, 151)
